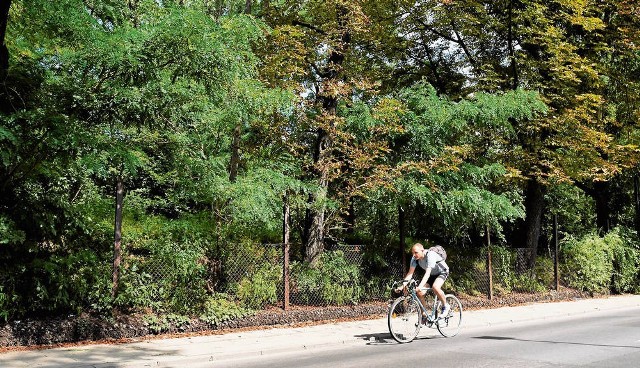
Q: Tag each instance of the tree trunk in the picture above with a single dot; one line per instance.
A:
(534, 204)
(636, 197)
(600, 194)
(315, 238)
(117, 246)
(4, 52)
(350, 221)
(324, 141)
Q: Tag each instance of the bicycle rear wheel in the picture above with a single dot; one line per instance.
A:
(449, 325)
(404, 319)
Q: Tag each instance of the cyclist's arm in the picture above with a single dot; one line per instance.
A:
(427, 273)
(409, 273)
(406, 278)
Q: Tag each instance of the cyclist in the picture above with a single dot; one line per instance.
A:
(436, 273)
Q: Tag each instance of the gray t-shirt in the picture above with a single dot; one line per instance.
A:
(433, 260)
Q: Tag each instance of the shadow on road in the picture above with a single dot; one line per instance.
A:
(384, 338)
(555, 342)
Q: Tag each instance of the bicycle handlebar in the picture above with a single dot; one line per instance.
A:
(404, 283)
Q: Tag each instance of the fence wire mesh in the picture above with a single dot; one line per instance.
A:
(346, 274)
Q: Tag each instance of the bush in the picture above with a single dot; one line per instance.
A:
(260, 289)
(587, 264)
(70, 283)
(471, 280)
(503, 261)
(332, 281)
(475, 280)
(544, 273)
(219, 309)
(6, 304)
(626, 260)
(253, 273)
(171, 278)
(602, 264)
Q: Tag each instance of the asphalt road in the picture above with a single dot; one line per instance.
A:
(597, 340)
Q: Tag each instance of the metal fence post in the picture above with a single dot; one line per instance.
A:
(401, 230)
(285, 253)
(556, 258)
(489, 266)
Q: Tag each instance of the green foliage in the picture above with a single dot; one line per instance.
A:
(506, 277)
(260, 289)
(575, 211)
(253, 273)
(8, 305)
(543, 274)
(332, 281)
(8, 232)
(503, 260)
(172, 277)
(165, 262)
(163, 323)
(626, 261)
(600, 264)
(219, 309)
(56, 283)
(163, 93)
(449, 157)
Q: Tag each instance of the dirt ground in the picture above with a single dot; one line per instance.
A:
(86, 329)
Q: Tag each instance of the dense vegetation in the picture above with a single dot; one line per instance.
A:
(148, 148)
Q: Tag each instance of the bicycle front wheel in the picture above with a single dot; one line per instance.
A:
(404, 319)
(449, 325)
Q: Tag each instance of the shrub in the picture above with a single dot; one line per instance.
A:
(602, 264)
(626, 259)
(63, 283)
(260, 289)
(171, 278)
(503, 267)
(587, 264)
(253, 273)
(219, 309)
(6, 304)
(332, 281)
(544, 273)
(163, 323)
(468, 274)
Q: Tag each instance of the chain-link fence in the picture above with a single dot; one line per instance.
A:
(342, 275)
(256, 276)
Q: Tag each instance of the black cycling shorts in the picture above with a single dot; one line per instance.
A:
(432, 278)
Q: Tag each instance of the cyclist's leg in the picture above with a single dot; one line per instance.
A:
(422, 293)
(437, 287)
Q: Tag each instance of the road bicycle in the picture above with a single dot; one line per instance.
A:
(406, 313)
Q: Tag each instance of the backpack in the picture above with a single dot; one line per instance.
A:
(440, 250)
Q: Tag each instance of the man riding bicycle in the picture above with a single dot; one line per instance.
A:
(436, 273)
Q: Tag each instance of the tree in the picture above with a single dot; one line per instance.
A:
(554, 47)
(324, 35)
(110, 95)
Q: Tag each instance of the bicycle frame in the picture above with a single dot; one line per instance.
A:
(431, 315)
